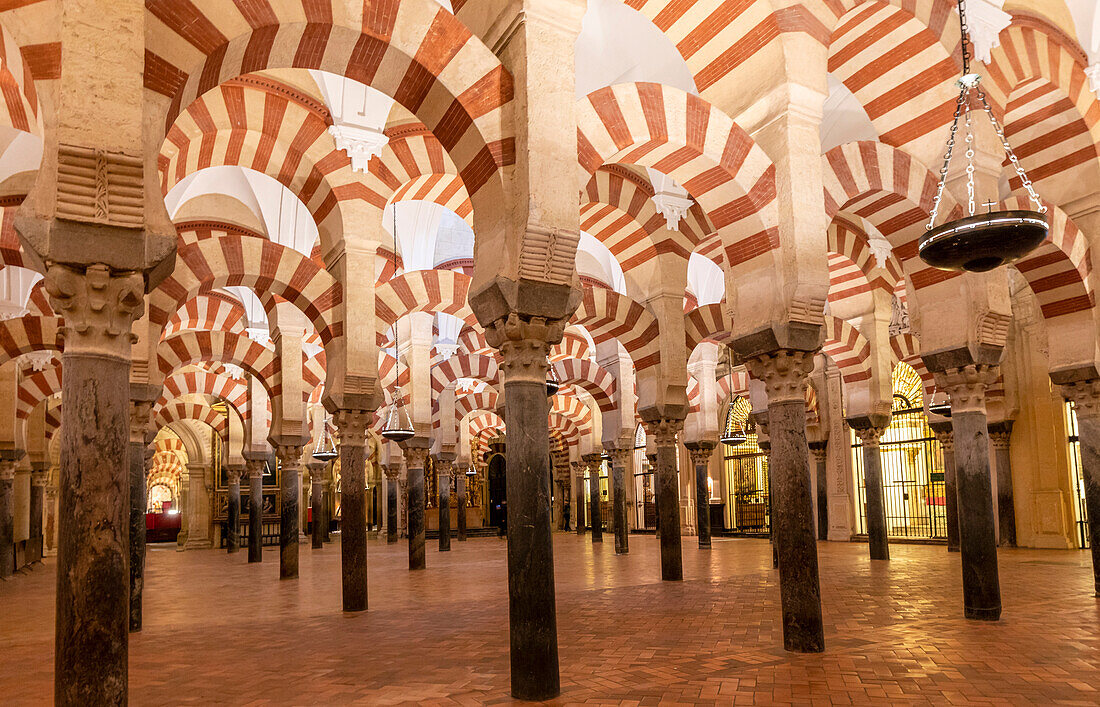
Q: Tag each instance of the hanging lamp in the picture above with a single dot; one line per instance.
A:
(980, 242)
(320, 453)
(942, 408)
(398, 425)
(553, 385)
(733, 433)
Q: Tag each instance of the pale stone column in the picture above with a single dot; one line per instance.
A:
(1000, 433)
(51, 520)
(819, 451)
(7, 515)
(233, 512)
(701, 453)
(1085, 396)
(316, 470)
(352, 426)
(141, 411)
(290, 460)
(391, 503)
(578, 495)
(592, 461)
(620, 461)
(444, 473)
(38, 506)
(870, 429)
(785, 375)
(254, 469)
(977, 537)
(198, 508)
(416, 453)
(664, 431)
(946, 437)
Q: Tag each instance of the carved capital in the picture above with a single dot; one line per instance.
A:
(446, 464)
(870, 435)
(524, 344)
(620, 456)
(233, 474)
(391, 471)
(141, 416)
(352, 426)
(819, 450)
(700, 452)
(966, 385)
(98, 306)
(254, 468)
(1085, 396)
(290, 457)
(664, 431)
(39, 478)
(1000, 433)
(415, 456)
(784, 373)
(7, 469)
(592, 461)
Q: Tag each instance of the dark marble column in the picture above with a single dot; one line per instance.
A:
(352, 426)
(819, 450)
(701, 453)
(532, 612)
(290, 473)
(233, 512)
(254, 468)
(784, 373)
(651, 480)
(391, 504)
(946, 437)
(977, 537)
(460, 492)
(7, 515)
(1000, 433)
(328, 507)
(317, 504)
(36, 546)
(93, 573)
(593, 461)
(664, 432)
(870, 429)
(416, 452)
(578, 494)
(620, 460)
(443, 483)
(140, 419)
(1084, 393)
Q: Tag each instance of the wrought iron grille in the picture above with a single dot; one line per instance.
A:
(912, 478)
(748, 509)
(1078, 477)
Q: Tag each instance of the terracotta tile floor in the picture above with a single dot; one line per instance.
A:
(220, 631)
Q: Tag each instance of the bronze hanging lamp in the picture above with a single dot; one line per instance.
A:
(733, 432)
(320, 452)
(398, 425)
(980, 242)
(553, 385)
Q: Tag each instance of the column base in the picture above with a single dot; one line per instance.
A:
(984, 614)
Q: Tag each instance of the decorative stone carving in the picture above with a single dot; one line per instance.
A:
(290, 456)
(141, 417)
(100, 186)
(548, 254)
(620, 456)
(1092, 71)
(352, 426)
(233, 474)
(99, 307)
(700, 452)
(899, 317)
(39, 360)
(819, 450)
(360, 143)
(993, 328)
(415, 456)
(1000, 434)
(7, 469)
(254, 468)
(869, 436)
(946, 438)
(39, 478)
(664, 431)
(672, 206)
(1085, 396)
(985, 20)
(967, 385)
(524, 345)
(391, 471)
(784, 373)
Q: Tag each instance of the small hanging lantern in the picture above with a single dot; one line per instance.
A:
(941, 408)
(320, 452)
(398, 426)
(553, 385)
(733, 433)
(980, 242)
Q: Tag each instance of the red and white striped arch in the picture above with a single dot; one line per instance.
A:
(711, 322)
(29, 333)
(566, 429)
(204, 382)
(11, 249)
(411, 50)
(438, 291)
(193, 347)
(191, 411)
(685, 137)
(571, 407)
(36, 387)
(608, 315)
(268, 268)
(849, 349)
(19, 108)
(445, 373)
(210, 310)
(572, 345)
(906, 349)
(590, 376)
(1059, 271)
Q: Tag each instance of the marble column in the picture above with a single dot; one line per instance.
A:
(352, 426)
(233, 512)
(870, 431)
(254, 469)
(93, 576)
(664, 431)
(416, 452)
(391, 504)
(36, 546)
(51, 520)
(977, 536)
(620, 459)
(701, 452)
(444, 472)
(593, 461)
(785, 374)
(819, 451)
(140, 419)
(290, 472)
(328, 508)
(316, 471)
(1000, 433)
(198, 508)
(7, 518)
(578, 495)
(460, 492)
(946, 438)
(1085, 396)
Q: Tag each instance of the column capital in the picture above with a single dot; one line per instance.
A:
(700, 451)
(253, 468)
(592, 460)
(7, 469)
(620, 456)
(290, 455)
(524, 344)
(141, 415)
(945, 435)
(664, 430)
(785, 374)
(415, 455)
(577, 467)
(966, 385)
(99, 307)
(352, 426)
(233, 474)
(1000, 433)
(819, 449)
(1085, 396)
(391, 471)
(870, 435)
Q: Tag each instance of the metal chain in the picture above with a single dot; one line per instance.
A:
(1012, 154)
(969, 157)
(965, 29)
(947, 159)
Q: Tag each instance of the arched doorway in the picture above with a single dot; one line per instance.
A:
(748, 508)
(498, 490)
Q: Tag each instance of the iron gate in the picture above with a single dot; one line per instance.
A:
(749, 507)
(912, 478)
(1078, 478)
